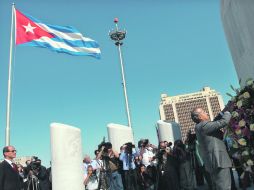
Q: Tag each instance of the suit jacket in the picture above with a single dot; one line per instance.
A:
(212, 149)
(9, 178)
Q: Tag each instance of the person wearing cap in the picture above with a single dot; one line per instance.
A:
(9, 175)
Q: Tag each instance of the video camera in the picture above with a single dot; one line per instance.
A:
(128, 147)
(35, 164)
(106, 145)
(143, 143)
(166, 149)
(161, 151)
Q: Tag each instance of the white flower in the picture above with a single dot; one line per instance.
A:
(252, 127)
(242, 123)
(238, 131)
(250, 162)
(239, 104)
(246, 95)
(245, 153)
(242, 142)
(249, 82)
(235, 114)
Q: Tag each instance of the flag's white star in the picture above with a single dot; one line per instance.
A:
(29, 28)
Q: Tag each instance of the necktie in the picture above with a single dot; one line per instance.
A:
(14, 167)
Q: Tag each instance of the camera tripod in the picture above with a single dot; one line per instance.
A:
(33, 183)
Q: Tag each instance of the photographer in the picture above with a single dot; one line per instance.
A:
(87, 162)
(148, 158)
(110, 168)
(21, 175)
(128, 155)
(37, 177)
(185, 166)
(145, 180)
(196, 160)
(146, 152)
(91, 181)
(167, 177)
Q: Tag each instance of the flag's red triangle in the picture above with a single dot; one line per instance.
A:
(27, 30)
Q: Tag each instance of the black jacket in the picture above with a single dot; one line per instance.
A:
(9, 178)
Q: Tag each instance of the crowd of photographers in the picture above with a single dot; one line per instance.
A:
(146, 167)
(34, 176)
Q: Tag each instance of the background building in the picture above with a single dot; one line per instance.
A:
(20, 160)
(237, 16)
(178, 108)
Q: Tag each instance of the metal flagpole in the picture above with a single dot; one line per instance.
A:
(118, 35)
(8, 109)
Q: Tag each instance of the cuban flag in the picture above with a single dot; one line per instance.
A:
(62, 39)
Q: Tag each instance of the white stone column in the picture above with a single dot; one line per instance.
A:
(119, 135)
(66, 157)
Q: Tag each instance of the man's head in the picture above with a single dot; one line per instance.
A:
(198, 115)
(89, 170)
(28, 162)
(9, 152)
(87, 159)
(38, 162)
(142, 168)
(163, 144)
(96, 152)
(20, 168)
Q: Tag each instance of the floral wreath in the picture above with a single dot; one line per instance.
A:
(239, 135)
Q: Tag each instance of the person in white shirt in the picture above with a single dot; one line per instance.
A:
(147, 156)
(92, 180)
(88, 162)
(146, 152)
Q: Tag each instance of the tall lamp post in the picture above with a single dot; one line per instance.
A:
(118, 35)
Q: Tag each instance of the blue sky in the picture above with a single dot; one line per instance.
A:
(172, 47)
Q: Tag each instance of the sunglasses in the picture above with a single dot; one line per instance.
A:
(11, 151)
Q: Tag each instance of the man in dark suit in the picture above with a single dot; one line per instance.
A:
(212, 148)
(9, 176)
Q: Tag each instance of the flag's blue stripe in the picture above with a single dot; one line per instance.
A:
(77, 43)
(65, 29)
(60, 50)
